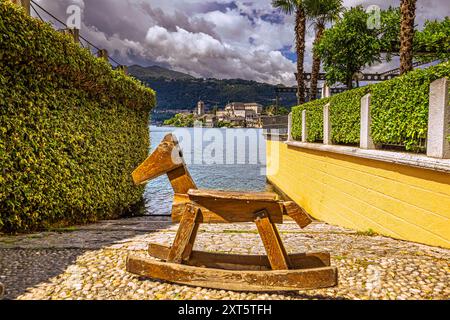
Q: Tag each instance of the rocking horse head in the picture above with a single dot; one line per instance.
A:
(166, 159)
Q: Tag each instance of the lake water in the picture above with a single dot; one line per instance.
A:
(246, 172)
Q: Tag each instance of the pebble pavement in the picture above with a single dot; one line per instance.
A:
(88, 262)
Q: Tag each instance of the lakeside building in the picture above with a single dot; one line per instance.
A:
(238, 122)
(222, 115)
(236, 114)
(242, 114)
(210, 121)
(234, 106)
(256, 107)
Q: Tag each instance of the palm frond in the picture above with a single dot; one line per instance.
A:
(323, 11)
(286, 6)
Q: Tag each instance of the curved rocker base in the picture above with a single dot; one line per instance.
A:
(234, 280)
(241, 262)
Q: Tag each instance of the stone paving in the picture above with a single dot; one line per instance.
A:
(88, 262)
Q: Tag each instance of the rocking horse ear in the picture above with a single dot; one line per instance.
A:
(166, 157)
(170, 137)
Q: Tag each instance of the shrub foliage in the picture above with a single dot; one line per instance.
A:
(399, 109)
(314, 120)
(345, 116)
(71, 129)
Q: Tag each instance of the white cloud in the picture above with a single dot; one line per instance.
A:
(207, 38)
(205, 56)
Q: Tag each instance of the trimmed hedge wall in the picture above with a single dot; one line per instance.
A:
(345, 116)
(400, 108)
(71, 129)
(399, 111)
(314, 120)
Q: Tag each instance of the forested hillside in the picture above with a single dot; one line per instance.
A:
(181, 91)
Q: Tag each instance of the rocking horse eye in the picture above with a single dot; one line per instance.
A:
(180, 153)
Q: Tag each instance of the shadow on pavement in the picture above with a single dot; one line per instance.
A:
(30, 259)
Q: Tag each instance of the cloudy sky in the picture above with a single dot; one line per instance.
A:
(245, 39)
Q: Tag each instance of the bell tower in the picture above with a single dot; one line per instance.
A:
(200, 108)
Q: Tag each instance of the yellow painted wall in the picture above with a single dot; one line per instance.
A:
(394, 200)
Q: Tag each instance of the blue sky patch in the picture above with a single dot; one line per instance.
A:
(274, 18)
(286, 52)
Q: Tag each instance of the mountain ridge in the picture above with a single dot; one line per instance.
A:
(157, 72)
(176, 90)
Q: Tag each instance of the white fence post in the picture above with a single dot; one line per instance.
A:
(326, 124)
(289, 133)
(304, 127)
(438, 145)
(366, 141)
(326, 93)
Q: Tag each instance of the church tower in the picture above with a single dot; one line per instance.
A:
(200, 108)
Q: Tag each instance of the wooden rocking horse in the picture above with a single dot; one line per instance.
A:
(278, 271)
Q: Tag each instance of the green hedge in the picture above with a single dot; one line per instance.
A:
(399, 111)
(71, 129)
(400, 108)
(345, 116)
(314, 120)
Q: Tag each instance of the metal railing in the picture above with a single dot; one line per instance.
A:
(89, 45)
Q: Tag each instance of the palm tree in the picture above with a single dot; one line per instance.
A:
(290, 7)
(320, 12)
(408, 12)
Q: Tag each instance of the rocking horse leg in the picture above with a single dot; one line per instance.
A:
(276, 253)
(190, 245)
(184, 240)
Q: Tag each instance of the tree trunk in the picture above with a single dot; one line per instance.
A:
(300, 30)
(316, 64)
(350, 83)
(408, 12)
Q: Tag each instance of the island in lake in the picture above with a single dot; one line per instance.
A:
(234, 115)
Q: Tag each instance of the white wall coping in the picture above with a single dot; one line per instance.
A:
(402, 158)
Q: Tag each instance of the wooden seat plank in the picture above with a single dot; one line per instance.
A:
(224, 211)
(197, 194)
